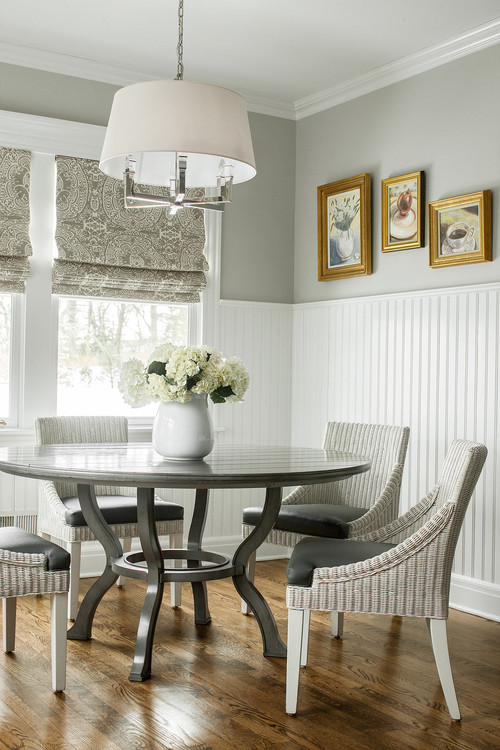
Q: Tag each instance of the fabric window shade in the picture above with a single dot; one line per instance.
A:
(106, 250)
(15, 245)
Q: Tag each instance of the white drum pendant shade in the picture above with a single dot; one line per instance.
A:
(155, 121)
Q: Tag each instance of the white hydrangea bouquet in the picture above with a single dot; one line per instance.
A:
(175, 373)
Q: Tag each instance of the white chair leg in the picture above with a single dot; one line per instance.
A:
(305, 637)
(175, 542)
(439, 641)
(294, 651)
(75, 550)
(126, 546)
(251, 577)
(58, 606)
(337, 624)
(9, 623)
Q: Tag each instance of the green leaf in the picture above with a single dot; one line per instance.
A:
(220, 394)
(191, 381)
(216, 398)
(157, 368)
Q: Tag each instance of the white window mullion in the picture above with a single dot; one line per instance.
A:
(40, 340)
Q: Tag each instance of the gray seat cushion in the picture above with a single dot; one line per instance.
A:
(13, 539)
(309, 554)
(314, 519)
(120, 509)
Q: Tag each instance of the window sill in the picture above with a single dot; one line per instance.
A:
(16, 436)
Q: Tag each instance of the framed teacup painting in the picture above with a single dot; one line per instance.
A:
(344, 228)
(460, 230)
(402, 212)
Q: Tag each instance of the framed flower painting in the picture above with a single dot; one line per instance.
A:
(344, 228)
(403, 212)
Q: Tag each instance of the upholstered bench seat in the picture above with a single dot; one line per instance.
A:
(120, 509)
(309, 554)
(316, 519)
(13, 539)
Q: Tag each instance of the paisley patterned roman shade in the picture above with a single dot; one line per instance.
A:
(15, 245)
(105, 250)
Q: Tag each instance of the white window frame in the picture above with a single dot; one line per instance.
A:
(33, 373)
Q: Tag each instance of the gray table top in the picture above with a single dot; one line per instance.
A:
(139, 465)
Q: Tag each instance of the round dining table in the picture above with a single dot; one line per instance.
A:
(139, 465)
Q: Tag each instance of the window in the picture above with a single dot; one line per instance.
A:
(49, 355)
(5, 354)
(96, 337)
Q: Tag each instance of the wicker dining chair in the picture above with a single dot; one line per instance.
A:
(32, 565)
(345, 508)
(401, 569)
(59, 513)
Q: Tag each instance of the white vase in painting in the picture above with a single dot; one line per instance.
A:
(183, 431)
(345, 243)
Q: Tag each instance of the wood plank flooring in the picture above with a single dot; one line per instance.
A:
(212, 689)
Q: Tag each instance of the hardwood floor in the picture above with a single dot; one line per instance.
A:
(212, 689)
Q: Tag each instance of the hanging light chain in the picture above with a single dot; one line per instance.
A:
(180, 66)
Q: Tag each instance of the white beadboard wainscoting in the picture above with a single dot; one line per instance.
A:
(430, 360)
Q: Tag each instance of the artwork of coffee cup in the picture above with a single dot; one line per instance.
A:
(458, 234)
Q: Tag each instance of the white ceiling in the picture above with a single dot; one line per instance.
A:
(286, 57)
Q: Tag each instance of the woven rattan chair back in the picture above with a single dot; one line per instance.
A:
(85, 429)
(386, 445)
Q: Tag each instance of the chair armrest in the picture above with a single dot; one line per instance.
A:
(404, 526)
(51, 497)
(297, 496)
(373, 519)
(22, 559)
(409, 548)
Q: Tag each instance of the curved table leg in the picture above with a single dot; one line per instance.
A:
(141, 668)
(273, 645)
(82, 629)
(201, 611)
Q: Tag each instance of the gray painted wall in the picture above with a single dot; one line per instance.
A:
(35, 92)
(258, 228)
(444, 122)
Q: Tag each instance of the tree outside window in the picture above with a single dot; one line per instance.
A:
(96, 337)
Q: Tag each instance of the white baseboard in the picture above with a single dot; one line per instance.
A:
(466, 594)
(476, 597)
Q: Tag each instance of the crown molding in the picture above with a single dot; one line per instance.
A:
(77, 67)
(275, 108)
(471, 41)
(398, 70)
(51, 136)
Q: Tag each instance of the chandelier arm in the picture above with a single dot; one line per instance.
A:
(135, 199)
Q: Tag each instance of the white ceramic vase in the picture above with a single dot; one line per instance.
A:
(183, 432)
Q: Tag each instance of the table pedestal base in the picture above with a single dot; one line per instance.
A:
(149, 565)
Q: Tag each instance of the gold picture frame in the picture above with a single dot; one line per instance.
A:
(344, 228)
(460, 230)
(403, 212)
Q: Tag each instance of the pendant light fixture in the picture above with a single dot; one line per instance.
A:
(178, 134)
